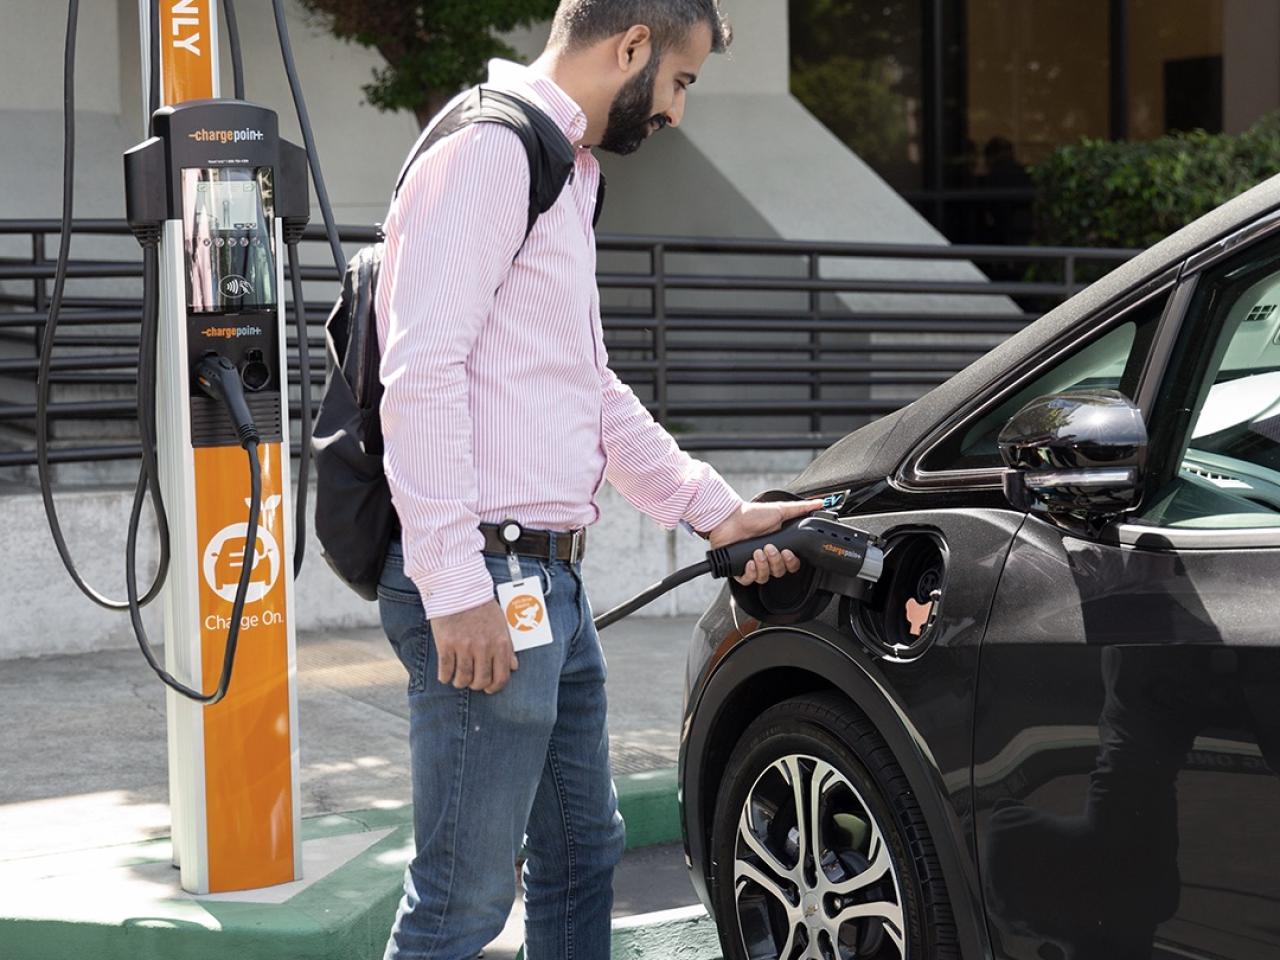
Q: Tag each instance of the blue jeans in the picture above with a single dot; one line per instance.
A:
(528, 764)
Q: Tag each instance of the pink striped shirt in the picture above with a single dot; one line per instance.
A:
(499, 399)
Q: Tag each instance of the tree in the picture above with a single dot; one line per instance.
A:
(855, 65)
(433, 48)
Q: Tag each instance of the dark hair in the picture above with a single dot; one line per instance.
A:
(580, 23)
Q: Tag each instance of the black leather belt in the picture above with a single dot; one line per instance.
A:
(569, 546)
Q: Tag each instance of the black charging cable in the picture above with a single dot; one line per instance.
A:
(292, 235)
(233, 41)
(643, 599)
(153, 48)
(308, 139)
(43, 385)
(219, 378)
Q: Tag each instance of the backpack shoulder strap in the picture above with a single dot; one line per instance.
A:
(549, 152)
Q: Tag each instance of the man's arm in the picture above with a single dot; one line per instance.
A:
(648, 468)
(461, 216)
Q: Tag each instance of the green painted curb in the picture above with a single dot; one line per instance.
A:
(648, 804)
(346, 915)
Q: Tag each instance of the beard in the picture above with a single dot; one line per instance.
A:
(631, 113)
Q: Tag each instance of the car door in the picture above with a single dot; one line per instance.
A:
(1127, 729)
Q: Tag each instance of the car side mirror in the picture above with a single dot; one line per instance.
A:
(1080, 453)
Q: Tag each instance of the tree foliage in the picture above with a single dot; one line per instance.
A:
(432, 48)
(855, 66)
(1131, 194)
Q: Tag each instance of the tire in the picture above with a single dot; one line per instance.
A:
(879, 867)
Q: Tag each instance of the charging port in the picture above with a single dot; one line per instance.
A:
(897, 619)
(254, 372)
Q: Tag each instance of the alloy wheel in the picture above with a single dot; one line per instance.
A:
(813, 877)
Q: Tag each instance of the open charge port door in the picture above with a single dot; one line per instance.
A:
(897, 617)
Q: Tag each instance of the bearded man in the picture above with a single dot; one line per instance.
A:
(501, 420)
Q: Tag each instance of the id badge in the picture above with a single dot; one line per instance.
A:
(525, 608)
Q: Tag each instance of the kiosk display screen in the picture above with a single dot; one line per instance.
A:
(228, 232)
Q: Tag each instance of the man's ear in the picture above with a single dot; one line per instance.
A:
(634, 48)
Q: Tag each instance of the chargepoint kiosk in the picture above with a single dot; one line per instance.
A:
(226, 175)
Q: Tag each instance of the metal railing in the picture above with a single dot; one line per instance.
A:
(732, 344)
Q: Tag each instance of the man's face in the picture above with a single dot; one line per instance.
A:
(654, 97)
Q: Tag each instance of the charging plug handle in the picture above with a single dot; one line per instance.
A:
(819, 539)
(219, 379)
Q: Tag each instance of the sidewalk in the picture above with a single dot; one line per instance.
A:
(83, 750)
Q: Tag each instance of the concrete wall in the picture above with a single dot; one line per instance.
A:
(361, 147)
(44, 614)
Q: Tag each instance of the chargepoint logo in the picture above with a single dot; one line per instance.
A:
(247, 135)
(233, 286)
(230, 333)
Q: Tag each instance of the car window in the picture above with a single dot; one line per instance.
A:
(1112, 360)
(1225, 390)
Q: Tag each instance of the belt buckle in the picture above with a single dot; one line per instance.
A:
(575, 545)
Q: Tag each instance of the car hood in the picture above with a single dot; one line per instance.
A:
(878, 449)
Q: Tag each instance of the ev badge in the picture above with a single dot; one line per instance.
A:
(225, 556)
(233, 286)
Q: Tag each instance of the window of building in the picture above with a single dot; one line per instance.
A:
(953, 102)
(1175, 50)
(857, 67)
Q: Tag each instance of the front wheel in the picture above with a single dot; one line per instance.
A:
(820, 850)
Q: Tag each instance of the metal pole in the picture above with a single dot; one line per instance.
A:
(660, 330)
(1119, 42)
(39, 294)
(815, 343)
(935, 149)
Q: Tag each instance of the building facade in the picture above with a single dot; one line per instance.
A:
(950, 101)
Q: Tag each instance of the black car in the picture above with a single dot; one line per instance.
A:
(1051, 730)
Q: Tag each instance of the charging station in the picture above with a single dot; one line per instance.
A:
(212, 190)
(214, 176)
(213, 173)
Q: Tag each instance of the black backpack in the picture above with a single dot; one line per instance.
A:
(354, 518)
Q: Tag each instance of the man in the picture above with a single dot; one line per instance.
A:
(500, 405)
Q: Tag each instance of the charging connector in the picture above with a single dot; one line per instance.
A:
(219, 379)
(838, 559)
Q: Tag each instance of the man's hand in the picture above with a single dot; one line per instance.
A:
(754, 520)
(474, 648)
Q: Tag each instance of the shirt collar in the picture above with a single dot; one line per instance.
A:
(545, 92)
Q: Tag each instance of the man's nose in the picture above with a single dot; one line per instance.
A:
(675, 113)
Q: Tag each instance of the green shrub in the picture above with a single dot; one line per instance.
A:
(1131, 194)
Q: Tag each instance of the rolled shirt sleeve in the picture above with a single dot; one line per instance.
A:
(462, 214)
